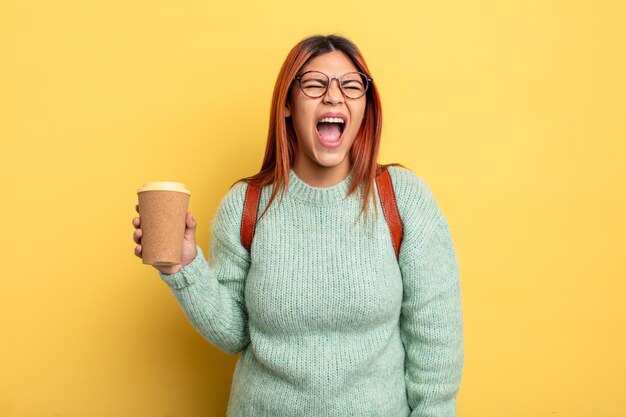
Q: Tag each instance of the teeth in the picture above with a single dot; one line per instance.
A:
(331, 120)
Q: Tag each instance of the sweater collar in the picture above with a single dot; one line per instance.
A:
(318, 195)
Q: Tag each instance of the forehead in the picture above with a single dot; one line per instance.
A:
(332, 63)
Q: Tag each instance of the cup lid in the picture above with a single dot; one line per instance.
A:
(164, 186)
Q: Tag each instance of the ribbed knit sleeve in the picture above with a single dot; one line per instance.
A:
(431, 325)
(212, 293)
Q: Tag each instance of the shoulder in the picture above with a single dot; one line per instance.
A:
(234, 197)
(413, 193)
(230, 208)
(405, 179)
(226, 225)
(416, 201)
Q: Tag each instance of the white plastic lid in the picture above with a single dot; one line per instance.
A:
(164, 186)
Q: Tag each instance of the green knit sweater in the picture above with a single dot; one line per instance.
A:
(329, 322)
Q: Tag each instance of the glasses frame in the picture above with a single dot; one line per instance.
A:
(330, 79)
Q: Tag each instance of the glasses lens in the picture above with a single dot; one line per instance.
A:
(313, 83)
(354, 84)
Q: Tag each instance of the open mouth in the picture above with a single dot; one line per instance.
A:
(330, 129)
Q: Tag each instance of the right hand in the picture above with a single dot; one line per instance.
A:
(189, 243)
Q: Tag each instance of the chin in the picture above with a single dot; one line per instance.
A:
(331, 162)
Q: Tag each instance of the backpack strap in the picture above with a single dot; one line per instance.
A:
(390, 208)
(248, 218)
(387, 201)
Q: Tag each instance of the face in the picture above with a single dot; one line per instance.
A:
(322, 157)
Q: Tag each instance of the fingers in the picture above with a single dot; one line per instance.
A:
(190, 230)
(137, 236)
(137, 233)
(191, 221)
(136, 220)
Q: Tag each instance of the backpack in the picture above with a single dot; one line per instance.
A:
(387, 201)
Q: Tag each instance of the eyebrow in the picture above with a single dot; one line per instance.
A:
(317, 79)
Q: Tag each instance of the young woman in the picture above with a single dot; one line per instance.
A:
(330, 322)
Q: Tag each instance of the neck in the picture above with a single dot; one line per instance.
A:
(322, 176)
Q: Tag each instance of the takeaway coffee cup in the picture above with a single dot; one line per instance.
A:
(162, 210)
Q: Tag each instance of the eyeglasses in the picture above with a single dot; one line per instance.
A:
(315, 84)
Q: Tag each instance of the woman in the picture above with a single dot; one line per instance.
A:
(329, 321)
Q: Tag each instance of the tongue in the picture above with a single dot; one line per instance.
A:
(329, 131)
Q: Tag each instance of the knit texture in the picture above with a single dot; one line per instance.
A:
(329, 322)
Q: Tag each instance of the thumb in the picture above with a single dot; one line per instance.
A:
(190, 230)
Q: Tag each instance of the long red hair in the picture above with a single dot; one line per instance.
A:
(280, 150)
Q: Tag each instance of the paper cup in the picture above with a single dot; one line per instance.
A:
(162, 210)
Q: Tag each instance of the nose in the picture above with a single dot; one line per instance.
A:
(334, 94)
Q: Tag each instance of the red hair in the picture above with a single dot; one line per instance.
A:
(280, 150)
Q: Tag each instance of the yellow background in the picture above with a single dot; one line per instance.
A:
(513, 112)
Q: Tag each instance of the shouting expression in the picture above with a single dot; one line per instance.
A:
(326, 126)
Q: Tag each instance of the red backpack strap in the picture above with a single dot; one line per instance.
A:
(248, 218)
(390, 208)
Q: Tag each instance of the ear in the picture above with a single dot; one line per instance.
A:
(287, 110)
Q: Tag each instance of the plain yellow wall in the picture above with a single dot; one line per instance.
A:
(513, 111)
